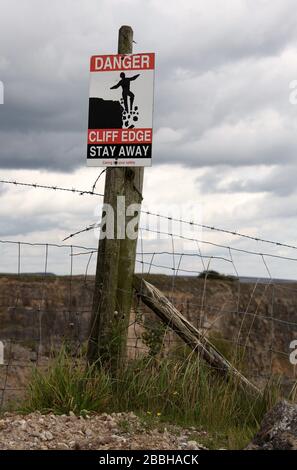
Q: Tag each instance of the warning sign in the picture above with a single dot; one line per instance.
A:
(121, 110)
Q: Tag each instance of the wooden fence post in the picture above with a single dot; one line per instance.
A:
(116, 259)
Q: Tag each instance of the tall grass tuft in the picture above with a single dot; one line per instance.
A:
(182, 391)
(188, 392)
(67, 385)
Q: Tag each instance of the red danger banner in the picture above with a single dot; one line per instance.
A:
(109, 63)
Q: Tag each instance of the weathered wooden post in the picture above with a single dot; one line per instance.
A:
(116, 259)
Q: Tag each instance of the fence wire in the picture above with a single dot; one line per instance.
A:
(41, 310)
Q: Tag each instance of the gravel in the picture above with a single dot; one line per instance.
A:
(104, 432)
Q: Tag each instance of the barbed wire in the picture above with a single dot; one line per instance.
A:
(192, 239)
(219, 229)
(155, 214)
(97, 179)
(217, 245)
(81, 192)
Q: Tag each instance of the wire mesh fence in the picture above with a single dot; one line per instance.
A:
(46, 294)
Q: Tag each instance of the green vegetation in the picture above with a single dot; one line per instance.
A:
(153, 337)
(178, 391)
(67, 385)
(235, 354)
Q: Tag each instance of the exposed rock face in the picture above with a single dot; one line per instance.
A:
(37, 314)
(278, 429)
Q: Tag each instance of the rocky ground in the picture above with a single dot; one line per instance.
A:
(95, 432)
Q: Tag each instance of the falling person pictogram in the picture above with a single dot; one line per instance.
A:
(125, 84)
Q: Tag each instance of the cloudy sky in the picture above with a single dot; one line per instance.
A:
(224, 127)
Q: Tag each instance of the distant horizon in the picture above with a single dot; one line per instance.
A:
(241, 278)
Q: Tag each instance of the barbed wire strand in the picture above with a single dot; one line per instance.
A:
(154, 214)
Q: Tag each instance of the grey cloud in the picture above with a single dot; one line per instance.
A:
(279, 181)
(221, 108)
(44, 150)
(232, 145)
(45, 71)
(21, 225)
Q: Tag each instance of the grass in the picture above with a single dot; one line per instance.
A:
(187, 393)
(176, 391)
(67, 385)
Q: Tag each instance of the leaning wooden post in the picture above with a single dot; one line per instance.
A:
(170, 316)
(116, 259)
